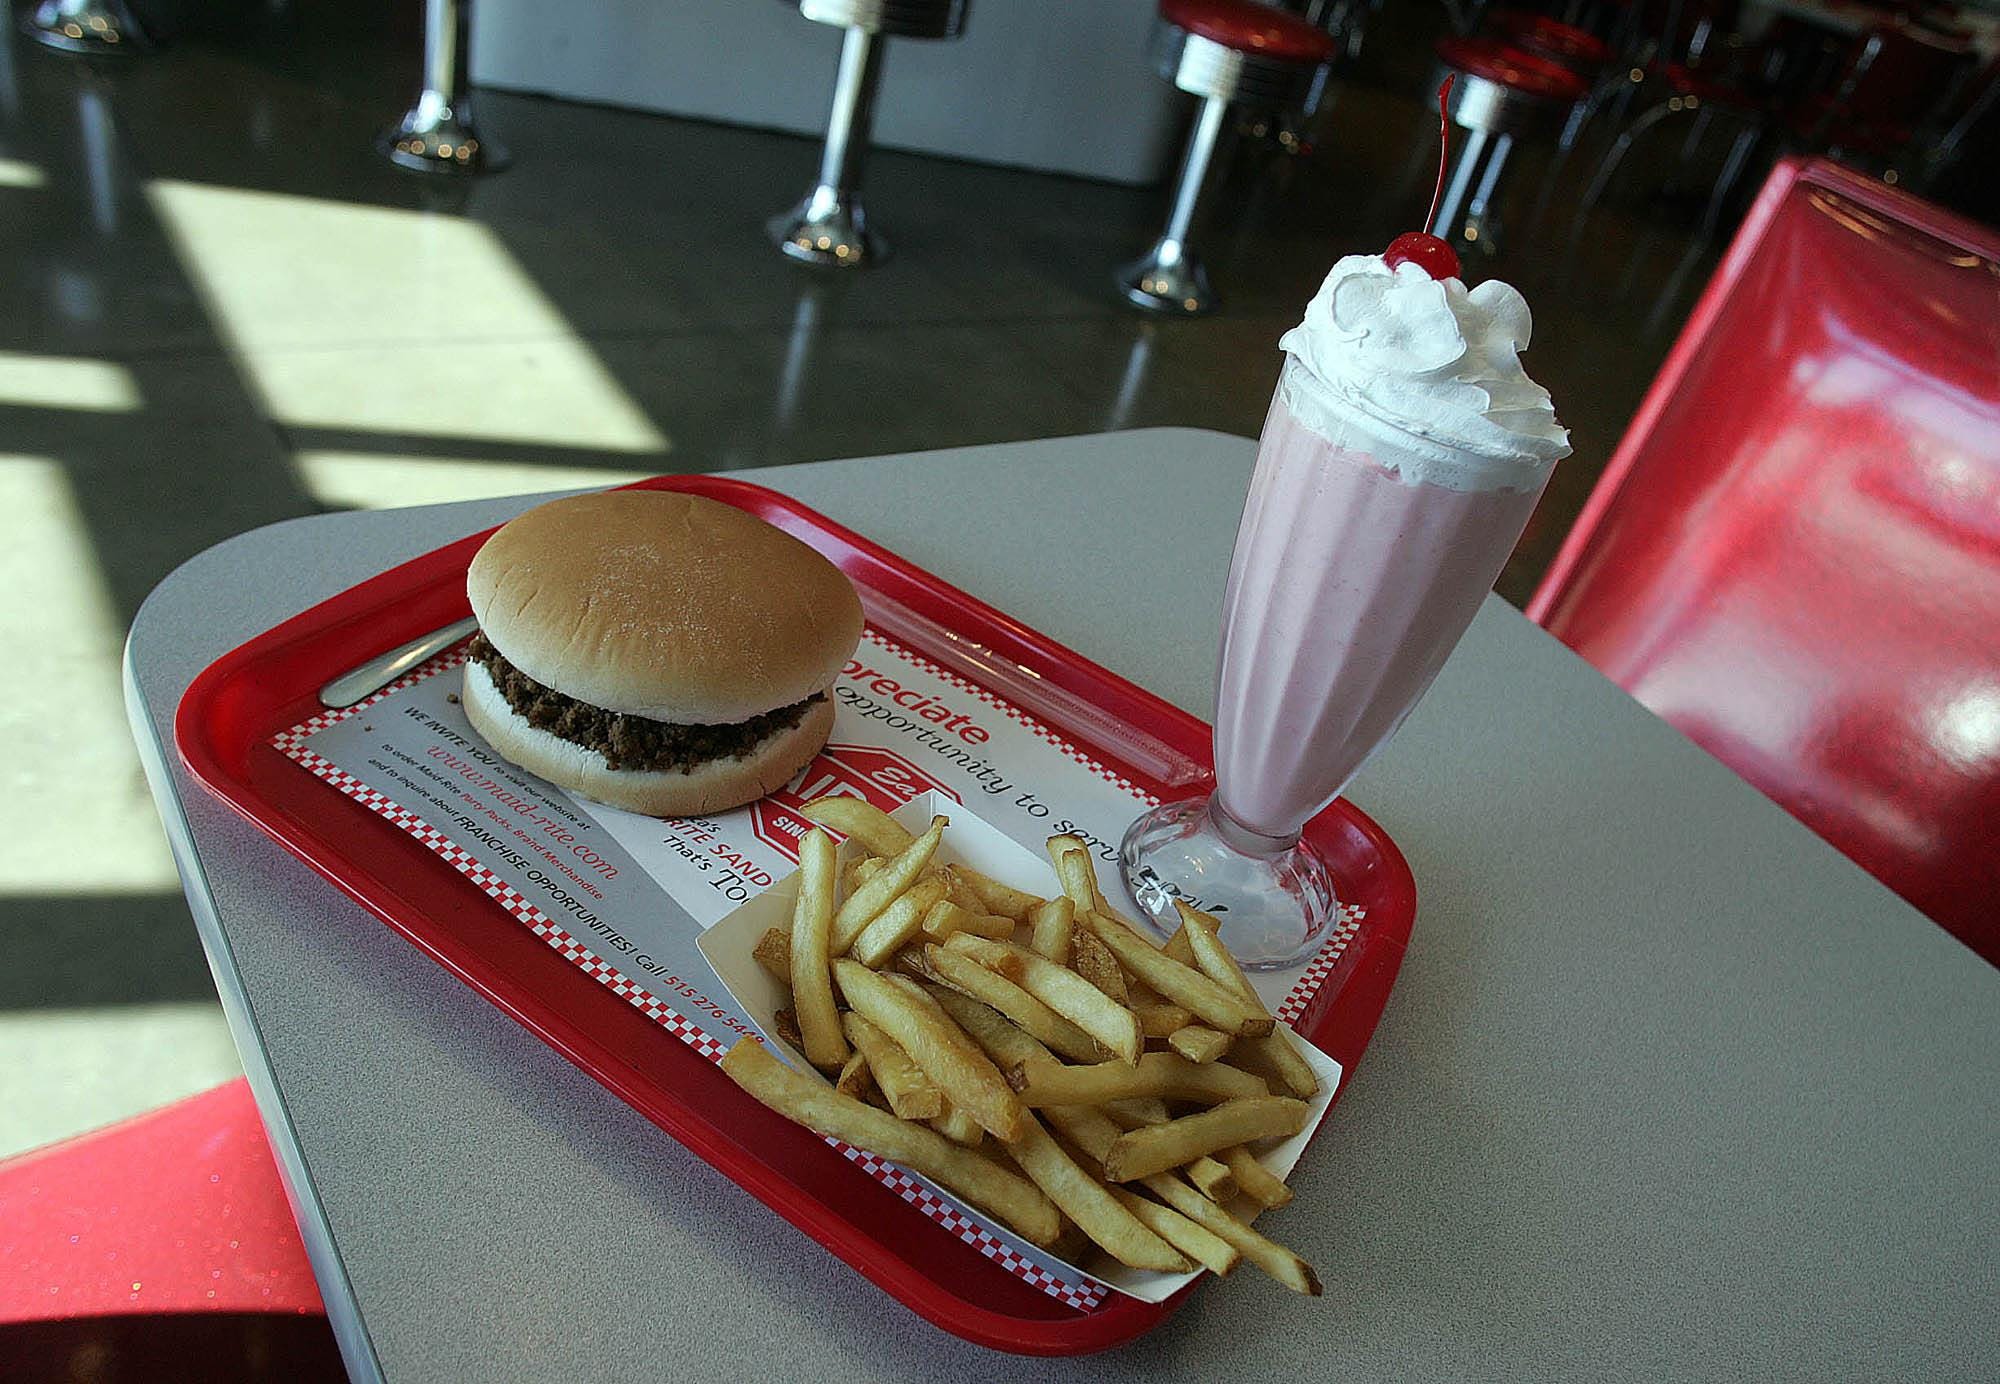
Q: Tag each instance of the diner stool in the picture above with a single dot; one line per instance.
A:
(1228, 52)
(85, 26)
(1502, 94)
(437, 135)
(829, 226)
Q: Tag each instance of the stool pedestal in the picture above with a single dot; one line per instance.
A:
(1169, 277)
(85, 26)
(1230, 53)
(829, 227)
(437, 134)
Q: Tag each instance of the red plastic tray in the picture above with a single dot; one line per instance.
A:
(224, 728)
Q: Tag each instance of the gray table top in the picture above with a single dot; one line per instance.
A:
(1668, 1088)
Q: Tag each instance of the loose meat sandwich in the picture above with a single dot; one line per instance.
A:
(660, 652)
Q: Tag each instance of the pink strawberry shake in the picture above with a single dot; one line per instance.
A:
(1404, 451)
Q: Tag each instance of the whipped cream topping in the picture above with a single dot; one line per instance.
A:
(1436, 362)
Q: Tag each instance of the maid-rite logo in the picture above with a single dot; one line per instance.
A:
(874, 775)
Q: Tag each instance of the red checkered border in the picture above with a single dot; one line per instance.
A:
(1085, 1295)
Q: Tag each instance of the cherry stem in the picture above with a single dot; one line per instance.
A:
(1444, 146)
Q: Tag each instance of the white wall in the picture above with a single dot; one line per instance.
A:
(1062, 85)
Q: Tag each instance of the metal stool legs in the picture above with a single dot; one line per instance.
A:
(1169, 277)
(1471, 149)
(85, 26)
(829, 227)
(436, 135)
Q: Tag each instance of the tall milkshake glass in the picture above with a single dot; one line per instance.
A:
(1402, 455)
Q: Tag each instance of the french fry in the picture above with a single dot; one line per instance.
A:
(787, 1025)
(896, 924)
(1212, 1176)
(1079, 879)
(1267, 1254)
(1052, 923)
(1164, 1074)
(854, 1079)
(812, 984)
(946, 918)
(1153, 1149)
(1157, 1018)
(1216, 1005)
(1088, 1128)
(909, 1092)
(958, 1127)
(1001, 1040)
(1092, 960)
(1087, 1202)
(1254, 1180)
(983, 1183)
(961, 893)
(1134, 1111)
(1003, 899)
(1062, 990)
(1275, 1051)
(1203, 1246)
(876, 831)
(774, 953)
(884, 887)
(962, 1073)
(1199, 1043)
(860, 872)
(1178, 946)
(968, 977)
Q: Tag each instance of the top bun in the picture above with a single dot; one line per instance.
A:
(664, 605)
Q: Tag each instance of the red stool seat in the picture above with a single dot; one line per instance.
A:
(1550, 38)
(1248, 27)
(1505, 65)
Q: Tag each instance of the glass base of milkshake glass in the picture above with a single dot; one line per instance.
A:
(1273, 896)
(1364, 553)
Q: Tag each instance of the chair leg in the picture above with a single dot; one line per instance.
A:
(437, 134)
(829, 228)
(1725, 182)
(1169, 278)
(1612, 158)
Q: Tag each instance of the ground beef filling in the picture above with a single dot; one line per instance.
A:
(630, 742)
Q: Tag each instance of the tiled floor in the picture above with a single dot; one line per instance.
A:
(218, 308)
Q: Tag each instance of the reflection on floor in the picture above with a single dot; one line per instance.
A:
(220, 309)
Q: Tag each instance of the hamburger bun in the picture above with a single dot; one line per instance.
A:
(669, 608)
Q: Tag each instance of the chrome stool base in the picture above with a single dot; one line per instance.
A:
(85, 26)
(437, 135)
(1169, 280)
(442, 142)
(828, 229)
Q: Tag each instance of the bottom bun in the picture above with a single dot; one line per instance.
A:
(711, 787)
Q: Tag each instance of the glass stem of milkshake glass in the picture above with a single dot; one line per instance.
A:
(1363, 554)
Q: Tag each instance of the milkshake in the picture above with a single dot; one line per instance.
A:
(1404, 451)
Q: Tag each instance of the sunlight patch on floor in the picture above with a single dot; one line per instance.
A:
(374, 318)
(370, 480)
(17, 173)
(93, 1067)
(75, 813)
(66, 382)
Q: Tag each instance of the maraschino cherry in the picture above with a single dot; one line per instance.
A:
(1420, 248)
